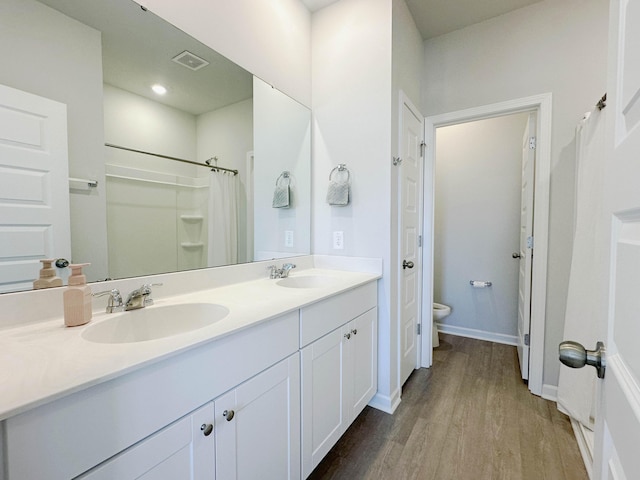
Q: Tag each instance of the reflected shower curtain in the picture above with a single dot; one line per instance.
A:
(588, 279)
(223, 219)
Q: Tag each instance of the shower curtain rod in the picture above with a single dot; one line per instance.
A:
(207, 165)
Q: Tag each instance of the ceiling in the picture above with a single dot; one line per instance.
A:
(437, 17)
(137, 48)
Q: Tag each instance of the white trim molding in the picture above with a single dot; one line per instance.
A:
(478, 334)
(542, 104)
(387, 404)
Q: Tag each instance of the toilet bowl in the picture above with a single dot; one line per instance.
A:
(440, 311)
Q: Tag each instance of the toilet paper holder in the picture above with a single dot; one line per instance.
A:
(479, 283)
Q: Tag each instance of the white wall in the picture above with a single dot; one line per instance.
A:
(282, 142)
(477, 223)
(351, 91)
(271, 39)
(48, 54)
(551, 46)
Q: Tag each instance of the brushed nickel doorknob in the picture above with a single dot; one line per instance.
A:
(228, 414)
(574, 355)
(516, 255)
(406, 264)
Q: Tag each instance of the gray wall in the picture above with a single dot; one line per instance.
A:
(477, 223)
(558, 47)
(48, 54)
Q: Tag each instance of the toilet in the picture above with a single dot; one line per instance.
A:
(439, 312)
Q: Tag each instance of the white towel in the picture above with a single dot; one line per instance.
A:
(281, 197)
(338, 193)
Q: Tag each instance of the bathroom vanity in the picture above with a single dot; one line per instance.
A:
(263, 392)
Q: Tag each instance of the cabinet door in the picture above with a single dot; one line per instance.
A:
(257, 426)
(182, 450)
(362, 373)
(322, 397)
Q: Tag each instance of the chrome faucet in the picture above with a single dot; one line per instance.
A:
(283, 272)
(115, 300)
(140, 297)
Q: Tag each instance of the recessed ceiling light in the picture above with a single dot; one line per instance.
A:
(159, 89)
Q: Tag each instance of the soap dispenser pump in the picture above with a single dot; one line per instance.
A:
(48, 276)
(77, 298)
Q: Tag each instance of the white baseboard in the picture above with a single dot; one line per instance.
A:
(550, 392)
(386, 403)
(478, 334)
(585, 440)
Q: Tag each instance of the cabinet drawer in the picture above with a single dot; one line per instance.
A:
(321, 318)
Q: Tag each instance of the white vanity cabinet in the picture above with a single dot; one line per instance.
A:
(183, 450)
(257, 426)
(254, 433)
(339, 368)
(68, 437)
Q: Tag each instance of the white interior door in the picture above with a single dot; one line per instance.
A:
(34, 186)
(410, 186)
(618, 416)
(526, 251)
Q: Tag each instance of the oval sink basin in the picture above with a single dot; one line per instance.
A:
(151, 323)
(307, 281)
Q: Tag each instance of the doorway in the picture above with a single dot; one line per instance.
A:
(541, 104)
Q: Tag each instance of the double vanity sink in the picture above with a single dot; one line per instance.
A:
(125, 383)
(151, 323)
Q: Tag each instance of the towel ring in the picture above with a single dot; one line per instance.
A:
(342, 167)
(286, 176)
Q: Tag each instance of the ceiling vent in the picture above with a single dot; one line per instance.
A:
(190, 60)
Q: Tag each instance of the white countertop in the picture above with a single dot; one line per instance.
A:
(44, 361)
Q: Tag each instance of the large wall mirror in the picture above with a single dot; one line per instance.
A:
(150, 212)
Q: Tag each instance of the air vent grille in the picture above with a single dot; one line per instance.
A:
(190, 60)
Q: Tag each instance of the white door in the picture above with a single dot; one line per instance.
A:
(34, 186)
(257, 426)
(618, 417)
(526, 252)
(410, 186)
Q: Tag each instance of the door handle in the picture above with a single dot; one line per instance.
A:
(516, 255)
(406, 264)
(574, 355)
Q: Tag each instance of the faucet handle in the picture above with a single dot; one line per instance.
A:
(115, 300)
(273, 271)
(146, 292)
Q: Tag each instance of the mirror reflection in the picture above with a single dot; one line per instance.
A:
(151, 212)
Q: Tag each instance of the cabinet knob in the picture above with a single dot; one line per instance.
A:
(206, 428)
(354, 331)
(228, 414)
(347, 335)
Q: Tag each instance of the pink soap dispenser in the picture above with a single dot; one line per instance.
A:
(77, 298)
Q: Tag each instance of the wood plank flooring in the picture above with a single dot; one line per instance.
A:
(469, 416)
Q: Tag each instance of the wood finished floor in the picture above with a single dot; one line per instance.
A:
(469, 416)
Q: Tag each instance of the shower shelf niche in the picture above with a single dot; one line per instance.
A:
(192, 245)
(191, 218)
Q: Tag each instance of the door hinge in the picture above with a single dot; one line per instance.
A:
(532, 143)
(419, 240)
(419, 329)
(526, 339)
(530, 242)
(423, 145)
